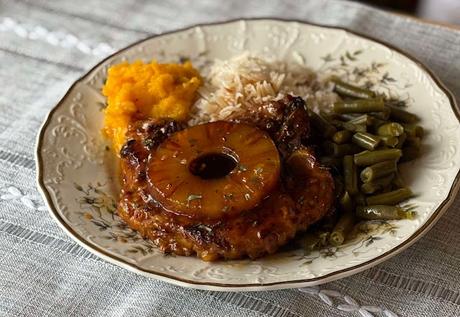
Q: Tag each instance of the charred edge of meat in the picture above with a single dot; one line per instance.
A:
(127, 149)
(202, 233)
(143, 137)
(130, 152)
(152, 133)
(157, 132)
(295, 103)
(294, 128)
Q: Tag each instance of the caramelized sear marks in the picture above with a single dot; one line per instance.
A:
(302, 196)
(288, 124)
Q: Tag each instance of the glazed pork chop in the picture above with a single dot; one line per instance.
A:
(223, 190)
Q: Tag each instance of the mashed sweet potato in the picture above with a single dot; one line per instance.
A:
(139, 91)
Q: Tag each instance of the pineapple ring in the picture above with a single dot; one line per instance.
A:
(214, 170)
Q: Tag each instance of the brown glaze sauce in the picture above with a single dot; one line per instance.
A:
(299, 200)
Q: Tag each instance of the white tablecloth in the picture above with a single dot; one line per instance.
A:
(46, 45)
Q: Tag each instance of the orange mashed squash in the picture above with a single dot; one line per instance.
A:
(147, 90)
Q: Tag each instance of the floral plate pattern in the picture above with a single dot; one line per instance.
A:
(78, 178)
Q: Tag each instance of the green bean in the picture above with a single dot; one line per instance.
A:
(316, 239)
(310, 241)
(350, 175)
(401, 115)
(390, 198)
(383, 115)
(339, 186)
(328, 222)
(390, 129)
(332, 118)
(360, 199)
(348, 90)
(354, 127)
(376, 122)
(378, 170)
(339, 150)
(413, 130)
(323, 238)
(359, 106)
(386, 189)
(329, 148)
(390, 141)
(343, 226)
(366, 140)
(367, 158)
(346, 203)
(401, 140)
(413, 142)
(337, 123)
(322, 125)
(395, 103)
(331, 161)
(377, 185)
(412, 149)
(410, 153)
(348, 116)
(329, 115)
(344, 125)
(342, 136)
(383, 212)
(398, 181)
(363, 119)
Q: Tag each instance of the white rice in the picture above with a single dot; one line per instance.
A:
(247, 84)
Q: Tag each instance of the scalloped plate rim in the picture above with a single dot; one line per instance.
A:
(445, 204)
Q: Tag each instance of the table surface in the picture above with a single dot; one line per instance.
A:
(454, 27)
(46, 45)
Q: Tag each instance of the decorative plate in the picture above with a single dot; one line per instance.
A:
(77, 178)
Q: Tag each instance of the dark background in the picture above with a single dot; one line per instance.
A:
(442, 11)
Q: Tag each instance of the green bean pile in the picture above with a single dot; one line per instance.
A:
(365, 136)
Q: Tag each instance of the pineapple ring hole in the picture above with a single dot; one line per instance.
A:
(213, 165)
